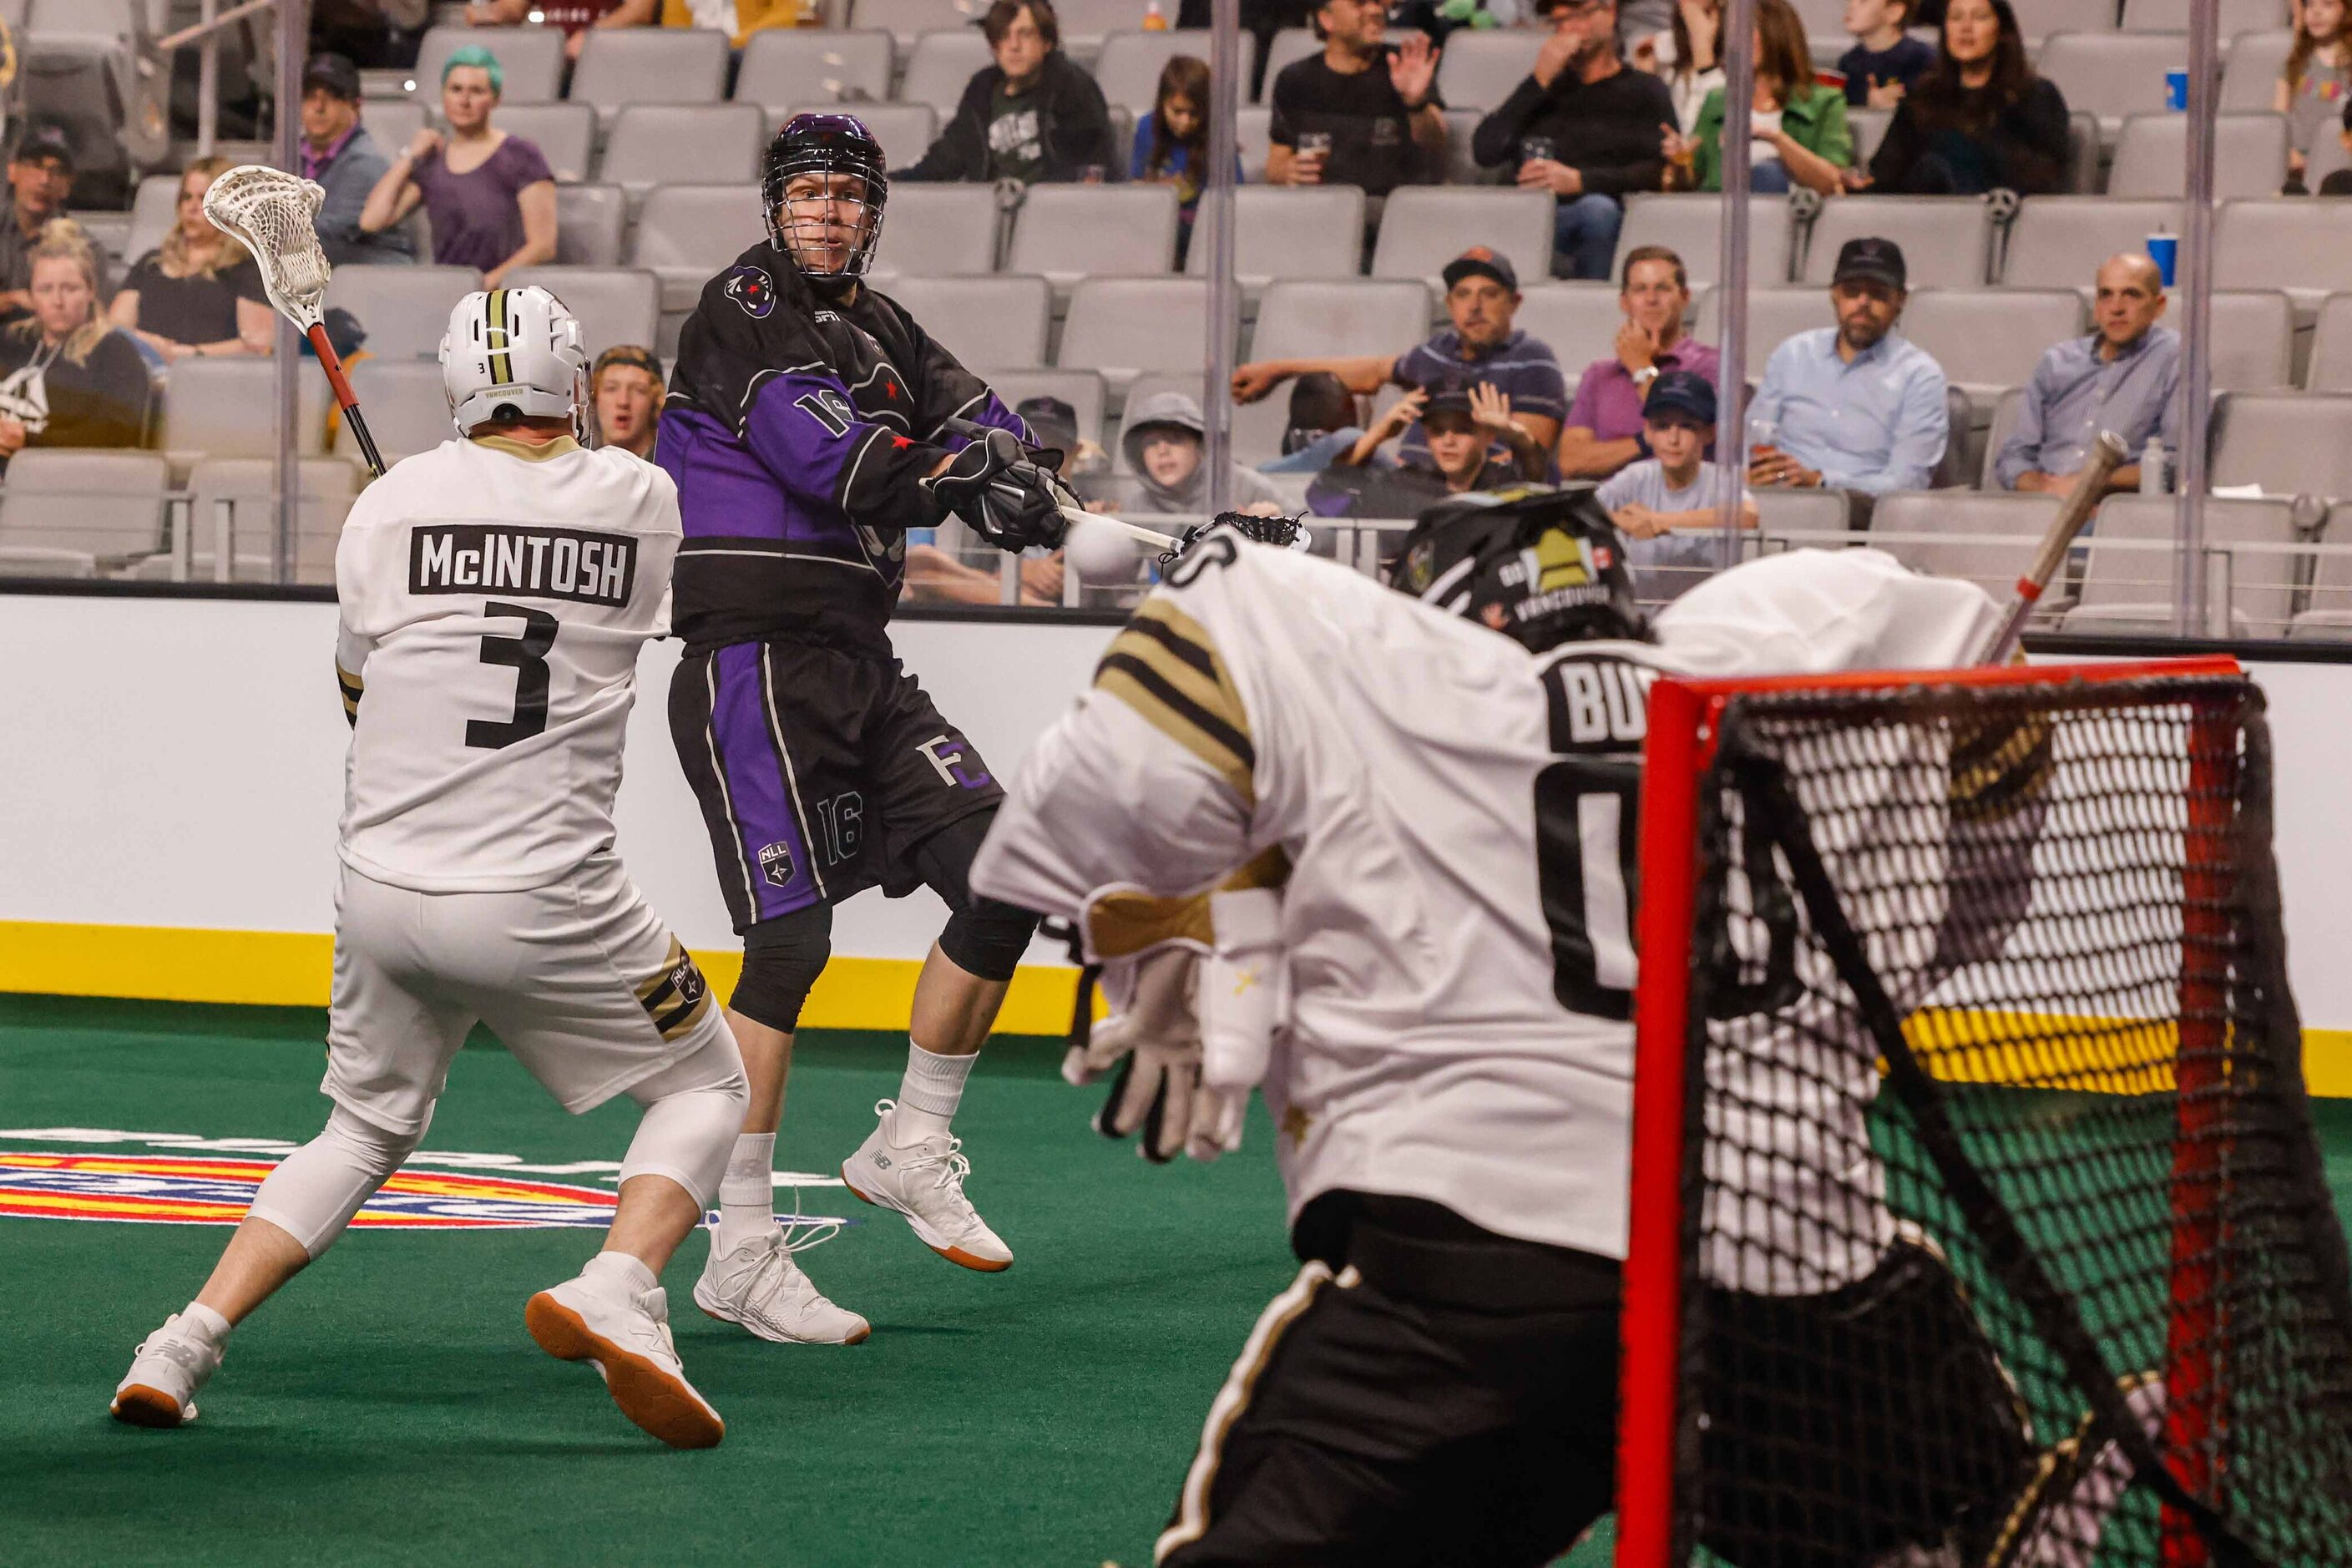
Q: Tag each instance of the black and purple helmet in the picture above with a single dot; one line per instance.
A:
(826, 143)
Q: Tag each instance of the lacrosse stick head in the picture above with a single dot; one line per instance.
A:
(270, 213)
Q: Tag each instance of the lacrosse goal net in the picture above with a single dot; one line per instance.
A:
(1978, 1216)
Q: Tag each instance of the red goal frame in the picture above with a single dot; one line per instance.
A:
(1680, 747)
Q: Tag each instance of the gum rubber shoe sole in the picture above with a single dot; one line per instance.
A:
(648, 1395)
(144, 1406)
(955, 1254)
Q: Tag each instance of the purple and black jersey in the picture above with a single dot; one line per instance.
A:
(796, 431)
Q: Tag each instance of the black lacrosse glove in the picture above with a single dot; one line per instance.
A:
(1003, 493)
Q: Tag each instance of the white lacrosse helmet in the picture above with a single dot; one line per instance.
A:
(514, 348)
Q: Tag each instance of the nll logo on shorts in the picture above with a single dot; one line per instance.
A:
(776, 864)
(145, 1189)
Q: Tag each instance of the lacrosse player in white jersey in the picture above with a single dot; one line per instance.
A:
(495, 593)
(1435, 1001)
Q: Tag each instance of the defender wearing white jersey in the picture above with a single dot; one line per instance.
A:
(1447, 1052)
(495, 594)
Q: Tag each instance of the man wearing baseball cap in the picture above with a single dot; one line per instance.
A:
(1668, 505)
(338, 153)
(1857, 406)
(40, 175)
(1482, 347)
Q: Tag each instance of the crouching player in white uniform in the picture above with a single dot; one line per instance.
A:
(495, 592)
(1441, 992)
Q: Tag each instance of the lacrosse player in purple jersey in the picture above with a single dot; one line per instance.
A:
(811, 424)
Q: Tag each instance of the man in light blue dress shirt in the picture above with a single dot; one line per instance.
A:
(2124, 377)
(1856, 406)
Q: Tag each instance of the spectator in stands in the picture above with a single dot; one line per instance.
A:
(1482, 298)
(40, 175)
(1056, 425)
(1856, 406)
(67, 378)
(1668, 505)
(197, 295)
(1686, 58)
(2338, 182)
(1172, 143)
(1979, 121)
(2125, 376)
(1033, 115)
(578, 19)
(339, 153)
(1797, 129)
(624, 387)
(1886, 61)
(2317, 83)
(1462, 429)
(1359, 113)
(1324, 422)
(491, 196)
(1164, 440)
(1584, 127)
(1604, 431)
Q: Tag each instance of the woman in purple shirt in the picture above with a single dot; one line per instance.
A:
(491, 196)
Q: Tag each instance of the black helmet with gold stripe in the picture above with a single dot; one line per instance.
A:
(1540, 564)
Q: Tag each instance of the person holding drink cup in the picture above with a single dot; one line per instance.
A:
(1359, 113)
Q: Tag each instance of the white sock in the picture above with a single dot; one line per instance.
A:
(746, 1194)
(619, 1271)
(929, 1094)
(206, 1323)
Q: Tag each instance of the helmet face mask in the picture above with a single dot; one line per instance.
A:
(824, 186)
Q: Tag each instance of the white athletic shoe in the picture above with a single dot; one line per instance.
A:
(627, 1338)
(924, 1182)
(759, 1286)
(169, 1366)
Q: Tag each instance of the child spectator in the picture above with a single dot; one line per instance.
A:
(1460, 428)
(1668, 505)
(1324, 423)
(1979, 121)
(67, 378)
(1032, 115)
(1797, 128)
(491, 196)
(1687, 58)
(1172, 143)
(1886, 61)
(198, 294)
(1164, 439)
(2312, 90)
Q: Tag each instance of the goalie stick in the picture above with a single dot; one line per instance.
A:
(270, 212)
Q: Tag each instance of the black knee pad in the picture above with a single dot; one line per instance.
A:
(782, 959)
(983, 936)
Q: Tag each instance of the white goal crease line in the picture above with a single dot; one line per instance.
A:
(510, 1164)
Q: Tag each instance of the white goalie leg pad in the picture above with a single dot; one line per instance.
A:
(694, 1109)
(1241, 1001)
(315, 1191)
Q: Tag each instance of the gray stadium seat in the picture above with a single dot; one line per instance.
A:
(1775, 314)
(2047, 16)
(2331, 347)
(407, 412)
(2131, 590)
(2251, 347)
(92, 68)
(941, 64)
(2328, 154)
(222, 409)
(2289, 443)
(1254, 132)
(1946, 241)
(2172, 15)
(686, 234)
(1691, 227)
(614, 304)
(530, 58)
(1869, 128)
(1579, 322)
(1286, 231)
(1120, 326)
(904, 130)
(404, 310)
(1812, 512)
(1081, 389)
(1967, 534)
(2113, 74)
(1461, 159)
(2329, 617)
(1129, 69)
(589, 223)
(1989, 339)
(905, 20)
(1069, 232)
(327, 488)
(154, 208)
(393, 123)
(2251, 67)
(71, 513)
(2152, 155)
(2291, 243)
(1290, 46)
(991, 323)
(652, 142)
(937, 231)
(1478, 71)
(565, 134)
(650, 65)
(2005, 412)
(1337, 319)
(1425, 226)
(787, 66)
(2059, 242)
(2082, 153)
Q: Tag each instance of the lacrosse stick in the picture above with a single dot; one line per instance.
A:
(2074, 514)
(268, 212)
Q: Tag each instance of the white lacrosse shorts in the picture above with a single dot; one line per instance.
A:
(579, 979)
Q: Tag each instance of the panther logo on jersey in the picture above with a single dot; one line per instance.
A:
(752, 288)
(776, 864)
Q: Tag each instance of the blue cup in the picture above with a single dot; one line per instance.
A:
(2176, 92)
(2164, 249)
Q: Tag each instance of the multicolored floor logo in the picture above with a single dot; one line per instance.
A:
(197, 1181)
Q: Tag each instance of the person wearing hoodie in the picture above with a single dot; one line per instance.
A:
(1165, 440)
(1033, 115)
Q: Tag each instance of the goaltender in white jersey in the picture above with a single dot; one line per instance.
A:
(1448, 1056)
(495, 592)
